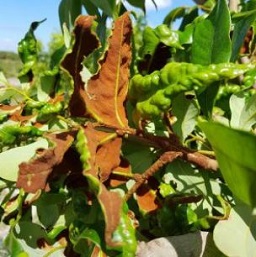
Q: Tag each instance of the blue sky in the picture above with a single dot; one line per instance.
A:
(17, 15)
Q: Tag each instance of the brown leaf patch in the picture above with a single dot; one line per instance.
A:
(85, 43)
(107, 90)
(147, 199)
(111, 205)
(33, 174)
(105, 151)
(104, 157)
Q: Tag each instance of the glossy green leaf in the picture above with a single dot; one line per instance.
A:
(239, 230)
(211, 42)
(235, 153)
(186, 112)
(11, 159)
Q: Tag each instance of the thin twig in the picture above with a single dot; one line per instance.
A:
(165, 158)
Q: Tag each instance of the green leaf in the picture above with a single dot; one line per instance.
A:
(174, 14)
(11, 159)
(186, 113)
(188, 180)
(68, 12)
(235, 153)
(30, 232)
(107, 6)
(86, 241)
(211, 42)
(237, 103)
(242, 25)
(137, 3)
(206, 99)
(49, 203)
(90, 8)
(240, 230)
(243, 112)
(14, 246)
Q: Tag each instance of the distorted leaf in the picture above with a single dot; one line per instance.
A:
(85, 43)
(104, 157)
(111, 205)
(33, 174)
(236, 158)
(109, 86)
(28, 49)
(104, 151)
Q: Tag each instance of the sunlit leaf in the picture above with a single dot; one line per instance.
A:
(243, 112)
(211, 41)
(186, 113)
(235, 151)
(11, 159)
(240, 229)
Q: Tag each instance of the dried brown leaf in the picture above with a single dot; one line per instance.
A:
(85, 43)
(104, 150)
(111, 205)
(33, 174)
(107, 90)
(147, 199)
(104, 157)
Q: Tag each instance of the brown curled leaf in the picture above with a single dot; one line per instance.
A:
(109, 86)
(86, 42)
(33, 174)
